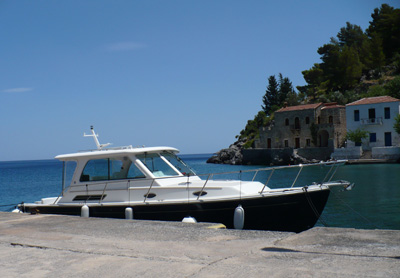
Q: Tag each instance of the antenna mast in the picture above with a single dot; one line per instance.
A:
(94, 135)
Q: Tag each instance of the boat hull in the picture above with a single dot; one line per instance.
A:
(286, 212)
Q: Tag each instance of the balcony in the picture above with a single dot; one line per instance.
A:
(295, 127)
(372, 121)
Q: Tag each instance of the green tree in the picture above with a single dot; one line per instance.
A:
(386, 24)
(396, 125)
(357, 135)
(271, 97)
(374, 91)
(354, 37)
(252, 129)
(286, 91)
(392, 88)
(330, 55)
(353, 53)
(350, 69)
(377, 60)
(314, 78)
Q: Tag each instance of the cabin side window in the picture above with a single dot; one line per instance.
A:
(110, 169)
(96, 169)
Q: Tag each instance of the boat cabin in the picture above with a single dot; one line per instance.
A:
(127, 163)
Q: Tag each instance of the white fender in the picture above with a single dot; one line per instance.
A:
(128, 213)
(189, 219)
(238, 218)
(85, 211)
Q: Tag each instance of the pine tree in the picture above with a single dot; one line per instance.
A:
(376, 50)
(286, 90)
(271, 97)
(351, 68)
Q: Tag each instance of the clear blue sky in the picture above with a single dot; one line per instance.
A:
(187, 74)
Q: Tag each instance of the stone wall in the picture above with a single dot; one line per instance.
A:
(347, 153)
(285, 156)
(386, 153)
(267, 156)
(316, 153)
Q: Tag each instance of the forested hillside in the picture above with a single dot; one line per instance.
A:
(354, 64)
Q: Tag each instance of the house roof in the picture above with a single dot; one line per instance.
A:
(332, 105)
(372, 100)
(299, 107)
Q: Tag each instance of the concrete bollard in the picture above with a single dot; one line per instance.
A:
(85, 211)
(128, 213)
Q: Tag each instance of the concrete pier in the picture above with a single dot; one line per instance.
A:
(68, 246)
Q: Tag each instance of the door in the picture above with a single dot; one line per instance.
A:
(297, 142)
(388, 139)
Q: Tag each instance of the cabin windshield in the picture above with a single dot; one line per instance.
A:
(157, 165)
(178, 164)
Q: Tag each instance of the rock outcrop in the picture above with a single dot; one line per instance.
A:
(232, 155)
(235, 155)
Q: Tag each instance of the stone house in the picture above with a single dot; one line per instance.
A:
(319, 125)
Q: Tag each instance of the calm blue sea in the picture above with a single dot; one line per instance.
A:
(374, 203)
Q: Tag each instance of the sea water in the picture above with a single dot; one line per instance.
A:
(373, 203)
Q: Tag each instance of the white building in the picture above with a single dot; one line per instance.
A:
(376, 116)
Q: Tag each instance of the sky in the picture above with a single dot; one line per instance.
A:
(180, 73)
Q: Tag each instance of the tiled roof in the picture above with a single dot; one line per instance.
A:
(332, 105)
(299, 107)
(372, 100)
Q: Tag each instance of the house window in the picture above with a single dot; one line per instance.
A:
(307, 120)
(387, 112)
(286, 142)
(308, 142)
(319, 120)
(371, 115)
(297, 123)
(372, 137)
(330, 119)
(356, 115)
(286, 121)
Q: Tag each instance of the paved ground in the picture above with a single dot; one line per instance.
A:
(65, 246)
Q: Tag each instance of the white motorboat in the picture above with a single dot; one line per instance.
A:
(153, 183)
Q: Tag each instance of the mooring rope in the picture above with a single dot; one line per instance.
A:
(8, 205)
(314, 209)
(356, 212)
(12, 206)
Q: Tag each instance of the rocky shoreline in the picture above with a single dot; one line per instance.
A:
(234, 156)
